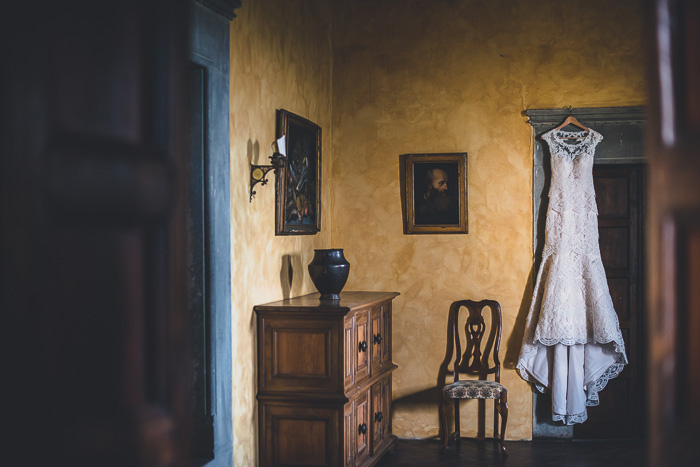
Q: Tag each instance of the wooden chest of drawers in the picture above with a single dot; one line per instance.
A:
(324, 380)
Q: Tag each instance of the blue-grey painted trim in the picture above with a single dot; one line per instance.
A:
(623, 143)
(223, 7)
(210, 47)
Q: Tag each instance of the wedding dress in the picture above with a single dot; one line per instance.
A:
(572, 344)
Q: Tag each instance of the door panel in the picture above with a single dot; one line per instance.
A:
(361, 346)
(674, 215)
(349, 351)
(349, 433)
(362, 426)
(300, 435)
(281, 367)
(93, 234)
(387, 390)
(376, 339)
(619, 195)
(386, 334)
(377, 416)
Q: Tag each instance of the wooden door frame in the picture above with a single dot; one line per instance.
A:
(623, 132)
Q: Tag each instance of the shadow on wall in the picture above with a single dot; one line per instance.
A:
(515, 340)
(254, 152)
(426, 398)
(431, 397)
(290, 264)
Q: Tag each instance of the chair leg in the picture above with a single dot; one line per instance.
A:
(503, 411)
(495, 418)
(444, 409)
(458, 431)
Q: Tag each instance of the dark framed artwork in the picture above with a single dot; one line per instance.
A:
(298, 198)
(434, 193)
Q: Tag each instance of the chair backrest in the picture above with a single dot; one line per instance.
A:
(475, 360)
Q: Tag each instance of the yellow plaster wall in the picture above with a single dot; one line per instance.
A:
(455, 76)
(281, 57)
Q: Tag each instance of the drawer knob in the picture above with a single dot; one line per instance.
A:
(363, 346)
(378, 417)
(363, 429)
(378, 339)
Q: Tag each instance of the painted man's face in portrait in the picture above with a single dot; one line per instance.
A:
(437, 205)
(439, 180)
(437, 187)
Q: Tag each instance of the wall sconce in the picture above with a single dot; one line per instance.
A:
(258, 173)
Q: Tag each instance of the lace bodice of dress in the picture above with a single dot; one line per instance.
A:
(572, 192)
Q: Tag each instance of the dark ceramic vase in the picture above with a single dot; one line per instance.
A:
(329, 271)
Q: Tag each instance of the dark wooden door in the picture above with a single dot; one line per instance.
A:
(92, 262)
(620, 198)
(673, 146)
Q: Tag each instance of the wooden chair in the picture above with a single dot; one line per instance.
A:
(475, 362)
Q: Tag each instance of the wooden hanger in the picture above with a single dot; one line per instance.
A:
(571, 120)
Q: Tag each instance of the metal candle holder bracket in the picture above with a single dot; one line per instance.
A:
(258, 173)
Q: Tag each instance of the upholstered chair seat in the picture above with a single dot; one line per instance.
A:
(474, 389)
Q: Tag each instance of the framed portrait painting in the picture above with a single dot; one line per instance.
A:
(298, 188)
(434, 193)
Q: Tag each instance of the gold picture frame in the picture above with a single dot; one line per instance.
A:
(298, 186)
(434, 190)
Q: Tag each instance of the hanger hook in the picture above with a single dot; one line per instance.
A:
(570, 109)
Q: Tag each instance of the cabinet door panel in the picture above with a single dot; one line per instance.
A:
(386, 334)
(376, 339)
(300, 435)
(349, 351)
(386, 405)
(283, 369)
(349, 434)
(362, 427)
(377, 416)
(361, 346)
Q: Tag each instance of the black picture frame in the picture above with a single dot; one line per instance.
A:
(429, 209)
(298, 186)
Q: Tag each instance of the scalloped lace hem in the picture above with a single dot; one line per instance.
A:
(524, 374)
(592, 389)
(598, 385)
(619, 347)
(570, 419)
